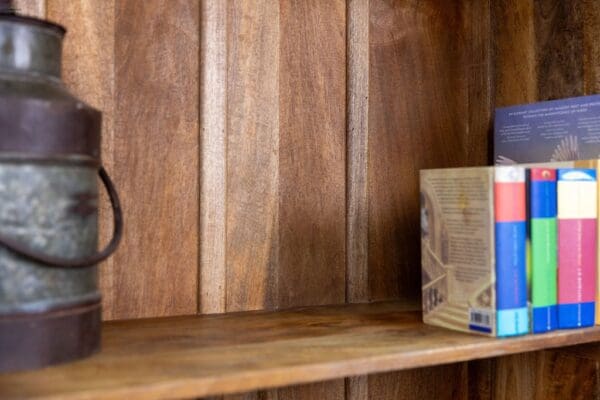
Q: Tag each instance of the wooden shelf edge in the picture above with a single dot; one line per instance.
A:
(223, 354)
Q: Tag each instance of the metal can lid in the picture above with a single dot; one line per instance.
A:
(8, 13)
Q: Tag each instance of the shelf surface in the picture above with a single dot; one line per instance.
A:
(196, 356)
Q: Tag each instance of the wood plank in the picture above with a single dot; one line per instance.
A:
(478, 70)
(591, 65)
(559, 48)
(213, 158)
(515, 77)
(329, 390)
(312, 164)
(417, 119)
(181, 357)
(562, 375)
(252, 223)
(357, 208)
(357, 219)
(312, 152)
(156, 158)
(515, 376)
(481, 379)
(88, 72)
(547, 375)
(448, 382)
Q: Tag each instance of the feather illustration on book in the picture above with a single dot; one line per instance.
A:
(566, 150)
(501, 160)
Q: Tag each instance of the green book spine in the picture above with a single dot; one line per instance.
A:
(543, 235)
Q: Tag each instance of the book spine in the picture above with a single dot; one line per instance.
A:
(577, 214)
(594, 164)
(543, 231)
(510, 225)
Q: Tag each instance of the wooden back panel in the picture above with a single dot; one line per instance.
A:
(267, 152)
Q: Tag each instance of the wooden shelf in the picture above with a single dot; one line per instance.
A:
(207, 355)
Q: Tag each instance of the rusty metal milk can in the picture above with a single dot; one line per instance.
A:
(49, 163)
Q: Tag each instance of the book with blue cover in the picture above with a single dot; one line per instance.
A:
(557, 130)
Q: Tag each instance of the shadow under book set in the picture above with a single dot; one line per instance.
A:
(513, 248)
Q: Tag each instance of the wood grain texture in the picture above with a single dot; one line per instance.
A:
(480, 378)
(515, 376)
(546, 375)
(213, 157)
(417, 108)
(448, 382)
(563, 375)
(312, 164)
(31, 8)
(559, 48)
(357, 219)
(591, 65)
(88, 71)
(155, 156)
(357, 208)
(312, 152)
(515, 77)
(328, 390)
(478, 70)
(182, 357)
(252, 223)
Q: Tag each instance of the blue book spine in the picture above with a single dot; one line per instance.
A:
(512, 314)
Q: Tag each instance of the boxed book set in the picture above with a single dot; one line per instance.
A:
(513, 248)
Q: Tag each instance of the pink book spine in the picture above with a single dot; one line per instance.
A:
(577, 213)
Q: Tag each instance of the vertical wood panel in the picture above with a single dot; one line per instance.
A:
(329, 390)
(312, 152)
(252, 155)
(448, 382)
(480, 376)
(417, 119)
(515, 376)
(477, 27)
(88, 72)
(155, 153)
(213, 184)
(312, 175)
(357, 209)
(561, 375)
(591, 65)
(559, 48)
(514, 52)
(357, 265)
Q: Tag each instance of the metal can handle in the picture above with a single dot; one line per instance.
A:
(58, 262)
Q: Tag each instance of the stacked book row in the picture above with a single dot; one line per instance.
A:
(509, 250)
